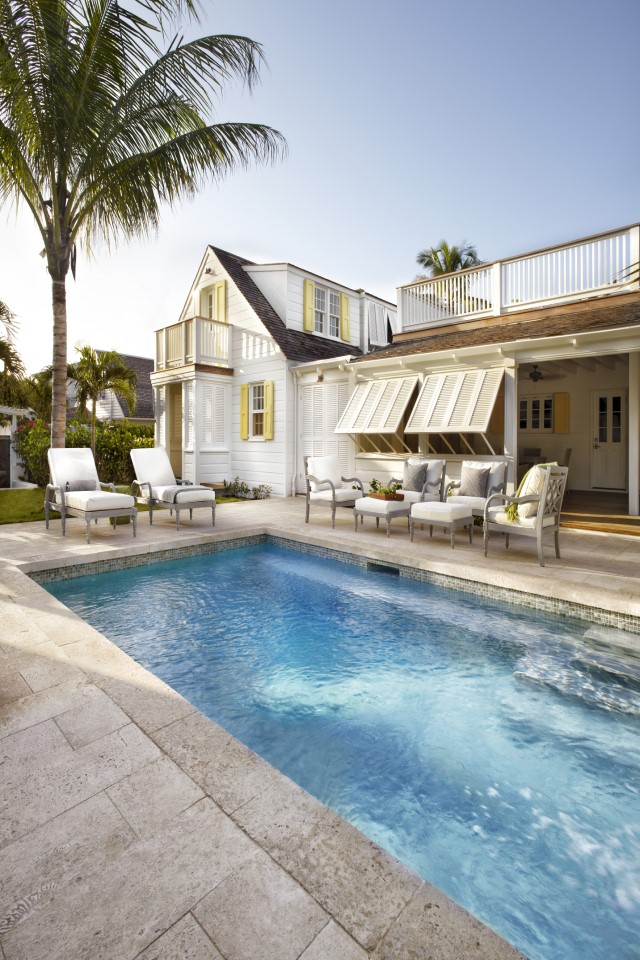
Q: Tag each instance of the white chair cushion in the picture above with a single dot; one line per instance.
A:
(98, 500)
(499, 516)
(497, 472)
(473, 503)
(74, 465)
(178, 494)
(531, 485)
(324, 468)
(440, 512)
(326, 496)
(152, 465)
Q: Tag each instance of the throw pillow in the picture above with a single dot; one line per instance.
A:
(73, 485)
(473, 482)
(414, 475)
(532, 484)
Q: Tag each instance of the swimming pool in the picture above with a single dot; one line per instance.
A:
(491, 749)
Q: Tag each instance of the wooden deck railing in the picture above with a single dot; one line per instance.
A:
(197, 340)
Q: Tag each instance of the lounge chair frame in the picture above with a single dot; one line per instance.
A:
(142, 490)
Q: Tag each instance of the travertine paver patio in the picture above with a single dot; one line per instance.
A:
(132, 826)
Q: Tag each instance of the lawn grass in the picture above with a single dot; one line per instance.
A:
(25, 505)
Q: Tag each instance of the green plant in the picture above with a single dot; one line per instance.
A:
(31, 440)
(94, 373)
(389, 488)
(238, 488)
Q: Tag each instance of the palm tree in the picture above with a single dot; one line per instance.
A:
(94, 373)
(12, 372)
(447, 259)
(100, 125)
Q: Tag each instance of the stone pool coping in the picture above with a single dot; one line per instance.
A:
(123, 801)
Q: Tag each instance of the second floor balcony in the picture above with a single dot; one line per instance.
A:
(193, 341)
(594, 266)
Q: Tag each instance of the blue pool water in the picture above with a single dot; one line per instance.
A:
(492, 749)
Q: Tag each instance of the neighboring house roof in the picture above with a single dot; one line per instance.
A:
(143, 366)
(295, 344)
(600, 315)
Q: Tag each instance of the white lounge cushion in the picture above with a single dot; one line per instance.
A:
(73, 465)
(531, 486)
(499, 516)
(324, 468)
(497, 472)
(326, 496)
(152, 465)
(89, 500)
(177, 494)
(440, 512)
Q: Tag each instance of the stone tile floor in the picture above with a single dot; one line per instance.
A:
(133, 827)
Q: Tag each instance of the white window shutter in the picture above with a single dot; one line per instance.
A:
(377, 406)
(456, 402)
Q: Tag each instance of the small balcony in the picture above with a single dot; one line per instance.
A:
(196, 340)
(595, 266)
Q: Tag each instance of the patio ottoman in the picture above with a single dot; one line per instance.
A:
(372, 507)
(452, 515)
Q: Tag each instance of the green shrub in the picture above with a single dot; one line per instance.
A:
(238, 488)
(32, 439)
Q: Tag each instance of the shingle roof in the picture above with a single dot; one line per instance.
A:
(295, 344)
(596, 315)
(143, 366)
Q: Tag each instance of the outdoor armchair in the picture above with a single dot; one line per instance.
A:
(534, 513)
(479, 480)
(156, 486)
(76, 491)
(325, 485)
(423, 479)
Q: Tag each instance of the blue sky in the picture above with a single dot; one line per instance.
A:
(511, 125)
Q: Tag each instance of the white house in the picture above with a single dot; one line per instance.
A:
(540, 353)
(225, 377)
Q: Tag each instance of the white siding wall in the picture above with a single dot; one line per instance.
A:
(272, 281)
(255, 358)
(212, 463)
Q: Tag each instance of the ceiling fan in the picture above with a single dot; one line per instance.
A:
(535, 373)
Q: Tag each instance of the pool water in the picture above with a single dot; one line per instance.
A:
(493, 750)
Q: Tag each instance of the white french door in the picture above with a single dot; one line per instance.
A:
(609, 440)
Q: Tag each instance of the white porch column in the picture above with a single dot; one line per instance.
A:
(511, 422)
(634, 434)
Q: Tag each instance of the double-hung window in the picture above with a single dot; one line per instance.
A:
(256, 412)
(327, 312)
(334, 314)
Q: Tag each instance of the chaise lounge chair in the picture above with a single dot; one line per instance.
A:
(532, 514)
(156, 486)
(76, 491)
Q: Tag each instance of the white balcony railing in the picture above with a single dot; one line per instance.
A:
(572, 271)
(196, 340)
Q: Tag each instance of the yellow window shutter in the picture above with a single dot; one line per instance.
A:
(244, 411)
(309, 306)
(344, 316)
(221, 301)
(561, 413)
(268, 410)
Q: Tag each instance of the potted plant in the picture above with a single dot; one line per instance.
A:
(381, 491)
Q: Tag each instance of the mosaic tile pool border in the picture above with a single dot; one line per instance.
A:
(506, 595)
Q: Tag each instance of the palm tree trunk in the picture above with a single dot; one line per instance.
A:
(94, 417)
(59, 389)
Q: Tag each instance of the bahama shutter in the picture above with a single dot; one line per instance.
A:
(220, 291)
(344, 317)
(456, 402)
(244, 411)
(377, 406)
(268, 410)
(308, 310)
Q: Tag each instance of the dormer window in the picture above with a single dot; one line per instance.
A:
(326, 311)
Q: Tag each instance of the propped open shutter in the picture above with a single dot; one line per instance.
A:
(268, 410)
(221, 301)
(377, 406)
(456, 402)
(309, 306)
(244, 411)
(344, 317)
